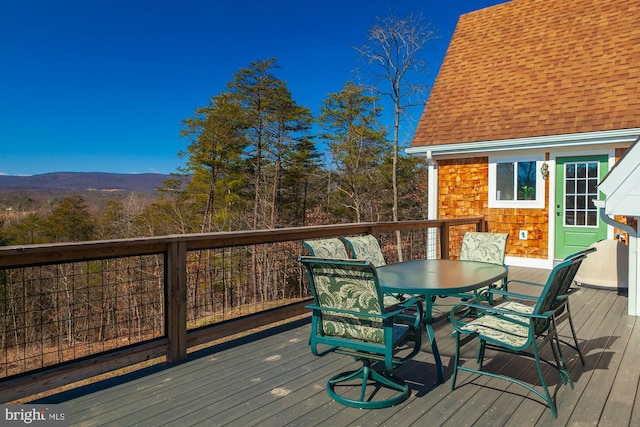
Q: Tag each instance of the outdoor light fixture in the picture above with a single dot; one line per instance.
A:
(544, 170)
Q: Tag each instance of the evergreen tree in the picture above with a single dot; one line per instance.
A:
(214, 158)
(69, 221)
(356, 139)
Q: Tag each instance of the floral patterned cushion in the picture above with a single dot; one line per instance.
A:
(327, 248)
(485, 247)
(517, 307)
(498, 329)
(353, 290)
(366, 247)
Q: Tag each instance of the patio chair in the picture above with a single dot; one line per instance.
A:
(365, 247)
(484, 247)
(516, 332)
(327, 248)
(561, 304)
(348, 317)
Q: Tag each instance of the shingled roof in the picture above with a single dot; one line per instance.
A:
(530, 68)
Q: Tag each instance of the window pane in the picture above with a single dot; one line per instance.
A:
(582, 170)
(571, 170)
(569, 218)
(580, 218)
(504, 181)
(570, 202)
(570, 187)
(593, 184)
(527, 180)
(582, 202)
(593, 170)
(592, 218)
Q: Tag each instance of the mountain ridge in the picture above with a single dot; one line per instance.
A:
(84, 181)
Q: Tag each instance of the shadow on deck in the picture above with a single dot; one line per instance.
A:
(271, 379)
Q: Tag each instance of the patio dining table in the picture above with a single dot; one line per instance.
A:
(437, 277)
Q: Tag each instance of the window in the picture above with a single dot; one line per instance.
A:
(516, 183)
(581, 182)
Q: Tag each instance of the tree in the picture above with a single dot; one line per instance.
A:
(69, 221)
(258, 90)
(214, 158)
(27, 230)
(395, 48)
(172, 213)
(301, 183)
(291, 124)
(356, 140)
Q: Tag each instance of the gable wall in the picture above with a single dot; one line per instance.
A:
(463, 188)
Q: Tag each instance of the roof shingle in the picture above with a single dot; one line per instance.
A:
(537, 67)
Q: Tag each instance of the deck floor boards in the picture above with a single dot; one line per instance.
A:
(272, 379)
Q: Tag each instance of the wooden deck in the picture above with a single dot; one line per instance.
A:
(272, 379)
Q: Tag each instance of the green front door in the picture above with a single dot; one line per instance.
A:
(578, 224)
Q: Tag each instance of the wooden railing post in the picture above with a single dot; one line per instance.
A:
(176, 300)
(444, 241)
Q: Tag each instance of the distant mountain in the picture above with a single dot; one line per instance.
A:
(84, 181)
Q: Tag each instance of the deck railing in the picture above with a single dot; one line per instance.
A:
(72, 311)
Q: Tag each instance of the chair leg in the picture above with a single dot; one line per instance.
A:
(481, 351)
(565, 376)
(456, 360)
(546, 396)
(573, 332)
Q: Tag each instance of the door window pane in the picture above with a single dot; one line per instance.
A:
(570, 170)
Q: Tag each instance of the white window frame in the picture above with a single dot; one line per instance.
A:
(539, 201)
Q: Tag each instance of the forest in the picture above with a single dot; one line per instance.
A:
(256, 159)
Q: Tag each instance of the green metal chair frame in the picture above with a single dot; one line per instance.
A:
(562, 302)
(349, 317)
(365, 247)
(327, 248)
(524, 334)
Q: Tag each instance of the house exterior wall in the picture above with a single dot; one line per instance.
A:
(463, 190)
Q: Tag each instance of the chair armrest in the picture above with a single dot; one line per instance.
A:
(407, 304)
(526, 282)
(508, 295)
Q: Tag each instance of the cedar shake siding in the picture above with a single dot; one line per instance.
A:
(463, 189)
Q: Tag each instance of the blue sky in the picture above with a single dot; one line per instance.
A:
(103, 85)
